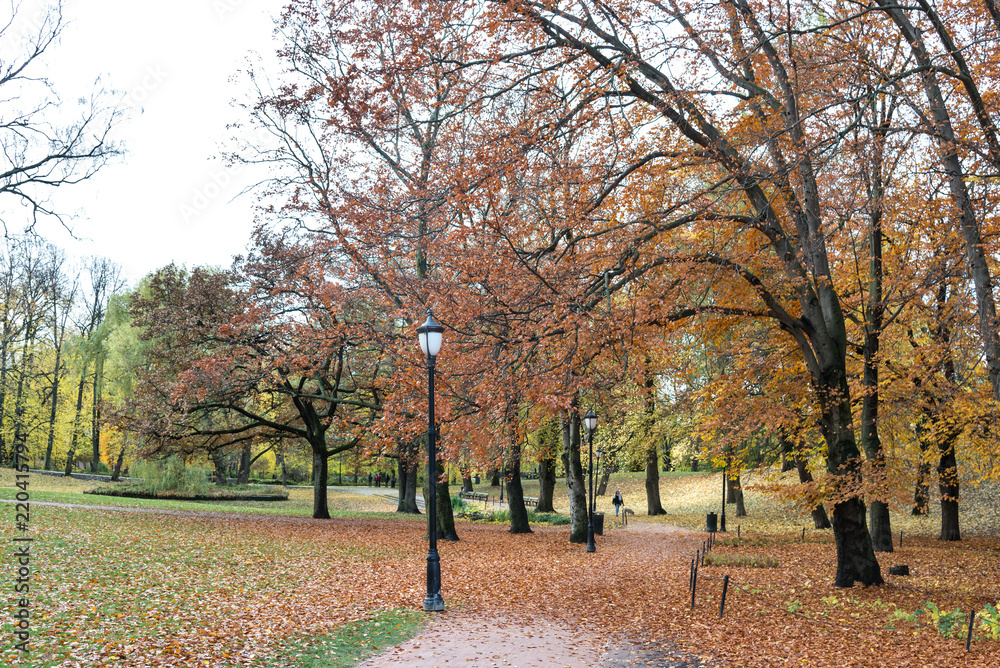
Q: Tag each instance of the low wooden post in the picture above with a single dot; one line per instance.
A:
(725, 588)
(968, 641)
(694, 585)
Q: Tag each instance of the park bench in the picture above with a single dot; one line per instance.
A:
(475, 496)
(531, 501)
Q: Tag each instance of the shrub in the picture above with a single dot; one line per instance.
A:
(171, 474)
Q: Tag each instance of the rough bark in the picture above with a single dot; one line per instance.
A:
(116, 473)
(602, 484)
(515, 494)
(407, 479)
(546, 485)
(445, 515)
(244, 476)
(736, 495)
(948, 486)
(219, 467)
(320, 469)
(653, 505)
(575, 485)
(879, 523)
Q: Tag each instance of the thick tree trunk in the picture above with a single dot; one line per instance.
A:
(736, 495)
(407, 480)
(546, 485)
(574, 478)
(602, 484)
(856, 560)
(653, 505)
(320, 509)
(279, 455)
(116, 474)
(494, 476)
(219, 466)
(948, 486)
(515, 495)
(467, 482)
(445, 516)
(244, 476)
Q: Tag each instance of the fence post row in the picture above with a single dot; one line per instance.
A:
(725, 588)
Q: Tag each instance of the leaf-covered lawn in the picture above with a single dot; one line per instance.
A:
(126, 589)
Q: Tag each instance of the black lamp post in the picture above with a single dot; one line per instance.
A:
(431, 334)
(590, 419)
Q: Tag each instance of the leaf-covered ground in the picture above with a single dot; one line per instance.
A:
(113, 588)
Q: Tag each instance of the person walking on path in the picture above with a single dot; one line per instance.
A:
(618, 501)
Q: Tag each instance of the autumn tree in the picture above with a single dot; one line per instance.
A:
(40, 150)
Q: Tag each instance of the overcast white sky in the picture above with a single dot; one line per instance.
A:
(170, 198)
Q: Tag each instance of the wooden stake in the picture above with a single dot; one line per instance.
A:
(725, 587)
(694, 585)
(968, 641)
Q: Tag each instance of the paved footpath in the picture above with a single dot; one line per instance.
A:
(457, 640)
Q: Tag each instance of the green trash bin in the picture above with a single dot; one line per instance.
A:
(598, 524)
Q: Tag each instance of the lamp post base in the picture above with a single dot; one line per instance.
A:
(434, 603)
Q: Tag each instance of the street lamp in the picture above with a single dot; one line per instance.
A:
(590, 419)
(431, 334)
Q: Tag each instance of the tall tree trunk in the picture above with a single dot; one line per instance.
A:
(948, 486)
(53, 411)
(602, 484)
(515, 494)
(653, 505)
(546, 485)
(879, 523)
(71, 455)
(320, 467)
(445, 515)
(736, 494)
(408, 479)
(279, 455)
(244, 476)
(574, 477)
(116, 474)
(95, 423)
(219, 463)
(976, 261)
(921, 489)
